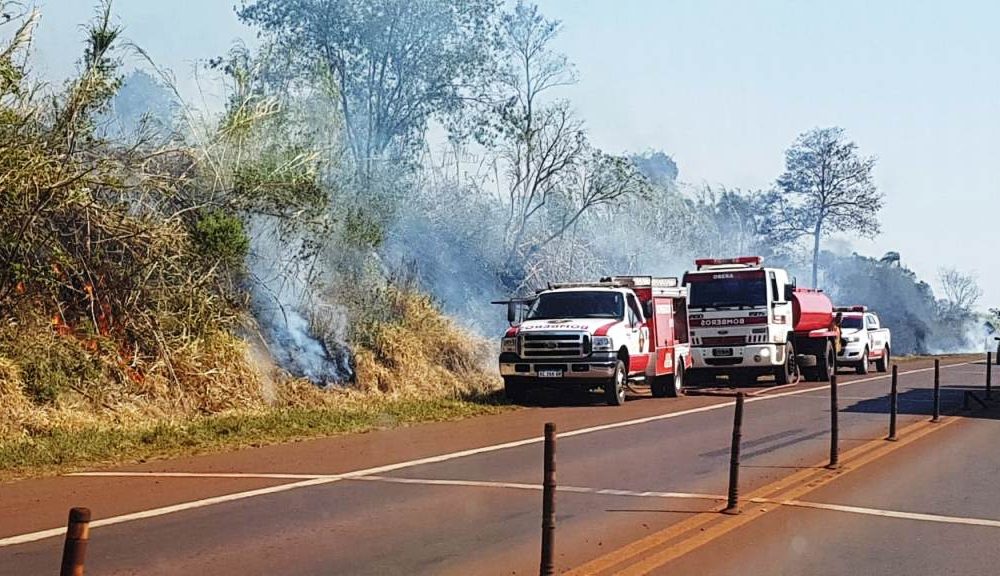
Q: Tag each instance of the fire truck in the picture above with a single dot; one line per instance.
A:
(602, 335)
(749, 321)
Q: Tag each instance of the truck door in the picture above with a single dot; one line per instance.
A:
(637, 335)
(876, 339)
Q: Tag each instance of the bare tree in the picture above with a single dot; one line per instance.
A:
(537, 140)
(960, 289)
(827, 187)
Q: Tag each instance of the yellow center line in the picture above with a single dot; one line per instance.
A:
(683, 537)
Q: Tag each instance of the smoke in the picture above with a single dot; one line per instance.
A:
(306, 337)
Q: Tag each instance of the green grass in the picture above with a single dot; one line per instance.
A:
(63, 450)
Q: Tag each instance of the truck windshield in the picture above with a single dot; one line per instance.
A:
(739, 291)
(852, 323)
(557, 305)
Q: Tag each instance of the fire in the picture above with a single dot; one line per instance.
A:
(59, 326)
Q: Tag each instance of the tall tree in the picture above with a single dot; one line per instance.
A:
(537, 141)
(960, 289)
(827, 187)
(393, 63)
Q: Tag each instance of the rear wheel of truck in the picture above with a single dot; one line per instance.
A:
(825, 362)
(863, 363)
(614, 390)
(785, 373)
(515, 392)
(882, 364)
(669, 386)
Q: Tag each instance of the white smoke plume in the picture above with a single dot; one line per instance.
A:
(304, 336)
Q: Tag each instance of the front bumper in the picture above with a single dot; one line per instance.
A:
(593, 368)
(749, 356)
(851, 353)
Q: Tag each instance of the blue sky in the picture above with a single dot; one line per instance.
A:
(725, 86)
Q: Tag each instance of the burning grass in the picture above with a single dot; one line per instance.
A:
(68, 404)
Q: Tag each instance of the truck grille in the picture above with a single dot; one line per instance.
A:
(723, 340)
(555, 345)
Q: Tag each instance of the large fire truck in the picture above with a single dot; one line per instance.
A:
(606, 335)
(749, 321)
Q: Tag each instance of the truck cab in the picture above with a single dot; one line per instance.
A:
(740, 314)
(748, 320)
(602, 334)
(863, 340)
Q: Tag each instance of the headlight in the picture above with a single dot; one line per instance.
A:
(508, 345)
(854, 339)
(602, 344)
(765, 353)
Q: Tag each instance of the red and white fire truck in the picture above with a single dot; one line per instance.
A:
(749, 321)
(604, 334)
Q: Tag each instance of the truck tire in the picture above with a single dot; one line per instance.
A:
(515, 391)
(882, 364)
(669, 386)
(825, 363)
(614, 390)
(863, 363)
(785, 373)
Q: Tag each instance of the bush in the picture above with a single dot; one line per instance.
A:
(221, 237)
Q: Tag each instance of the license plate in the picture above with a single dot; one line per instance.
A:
(550, 373)
(722, 351)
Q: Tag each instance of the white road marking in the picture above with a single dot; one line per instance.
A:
(263, 476)
(33, 536)
(41, 535)
(886, 513)
(538, 487)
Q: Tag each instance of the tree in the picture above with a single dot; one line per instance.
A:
(394, 63)
(960, 289)
(536, 141)
(827, 187)
(140, 99)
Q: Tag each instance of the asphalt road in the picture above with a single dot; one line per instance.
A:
(458, 498)
(939, 488)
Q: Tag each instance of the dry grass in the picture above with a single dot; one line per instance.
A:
(66, 404)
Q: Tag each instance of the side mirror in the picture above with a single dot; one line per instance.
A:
(789, 292)
(511, 313)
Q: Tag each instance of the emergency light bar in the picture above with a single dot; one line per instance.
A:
(620, 282)
(850, 309)
(741, 261)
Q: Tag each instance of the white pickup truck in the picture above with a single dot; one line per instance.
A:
(863, 340)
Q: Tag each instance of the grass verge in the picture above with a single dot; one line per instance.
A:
(63, 450)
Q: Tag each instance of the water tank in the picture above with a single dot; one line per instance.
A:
(811, 310)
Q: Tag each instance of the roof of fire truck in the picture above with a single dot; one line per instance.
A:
(661, 286)
(741, 263)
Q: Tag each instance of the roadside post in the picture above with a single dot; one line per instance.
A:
(547, 567)
(75, 548)
(989, 375)
(834, 425)
(893, 403)
(733, 501)
(937, 391)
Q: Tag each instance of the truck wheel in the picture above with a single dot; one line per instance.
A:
(514, 391)
(863, 364)
(668, 386)
(882, 364)
(825, 363)
(658, 386)
(785, 373)
(614, 391)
